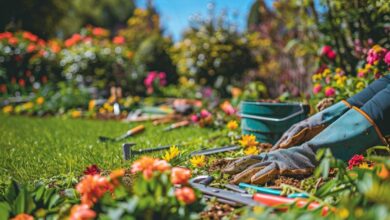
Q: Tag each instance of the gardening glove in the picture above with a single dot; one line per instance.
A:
(352, 133)
(265, 167)
(307, 129)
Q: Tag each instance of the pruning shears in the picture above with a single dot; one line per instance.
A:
(237, 197)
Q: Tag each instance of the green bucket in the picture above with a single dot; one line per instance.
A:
(268, 121)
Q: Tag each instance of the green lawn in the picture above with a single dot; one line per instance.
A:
(37, 148)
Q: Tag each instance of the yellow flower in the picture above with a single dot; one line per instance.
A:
(326, 72)
(316, 77)
(251, 150)
(232, 125)
(364, 165)
(171, 153)
(75, 114)
(40, 100)
(341, 81)
(91, 104)
(8, 109)
(248, 140)
(360, 85)
(198, 161)
(108, 107)
(28, 105)
(343, 213)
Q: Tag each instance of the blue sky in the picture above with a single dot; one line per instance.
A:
(175, 13)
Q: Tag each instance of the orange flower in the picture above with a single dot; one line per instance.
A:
(23, 217)
(147, 165)
(92, 188)
(186, 195)
(180, 175)
(81, 212)
(117, 173)
(384, 173)
(248, 140)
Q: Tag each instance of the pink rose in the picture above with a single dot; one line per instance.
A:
(326, 49)
(204, 113)
(331, 55)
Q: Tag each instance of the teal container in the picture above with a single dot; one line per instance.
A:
(268, 121)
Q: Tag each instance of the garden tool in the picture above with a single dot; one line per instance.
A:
(350, 134)
(131, 132)
(271, 191)
(258, 199)
(128, 152)
(177, 125)
(308, 128)
(215, 150)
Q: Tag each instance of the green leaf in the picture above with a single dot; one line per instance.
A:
(4, 210)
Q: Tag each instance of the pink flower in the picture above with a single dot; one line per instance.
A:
(204, 113)
(375, 54)
(194, 118)
(180, 175)
(331, 55)
(186, 195)
(317, 88)
(328, 52)
(387, 58)
(326, 49)
(330, 91)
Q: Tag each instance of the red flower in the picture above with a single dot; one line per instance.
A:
(331, 55)
(5, 35)
(31, 48)
(22, 83)
(29, 36)
(3, 88)
(12, 40)
(118, 40)
(97, 31)
(92, 170)
(186, 195)
(356, 160)
(44, 79)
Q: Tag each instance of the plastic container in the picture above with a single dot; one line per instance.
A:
(268, 121)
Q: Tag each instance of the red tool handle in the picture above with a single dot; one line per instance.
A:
(271, 200)
(136, 130)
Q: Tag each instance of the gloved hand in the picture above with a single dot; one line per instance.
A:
(263, 168)
(307, 129)
(352, 133)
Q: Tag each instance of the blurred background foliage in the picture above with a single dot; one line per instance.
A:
(280, 47)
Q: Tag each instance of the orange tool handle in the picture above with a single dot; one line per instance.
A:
(180, 124)
(271, 200)
(136, 130)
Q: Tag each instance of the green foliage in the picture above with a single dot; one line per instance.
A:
(50, 18)
(351, 27)
(152, 55)
(40, 201)
(213, 53)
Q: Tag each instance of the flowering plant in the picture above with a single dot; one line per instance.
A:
(336, 83)
(154, 80)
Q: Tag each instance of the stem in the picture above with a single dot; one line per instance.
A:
(319, 200)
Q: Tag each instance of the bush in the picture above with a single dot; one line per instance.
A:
(213, 53)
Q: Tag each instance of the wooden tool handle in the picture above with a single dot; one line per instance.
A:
(136, 130)
(181, 124)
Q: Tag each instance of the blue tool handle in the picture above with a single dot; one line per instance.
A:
(260, 189)
(298, 195)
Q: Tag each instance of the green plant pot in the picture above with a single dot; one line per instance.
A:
(268, 121)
